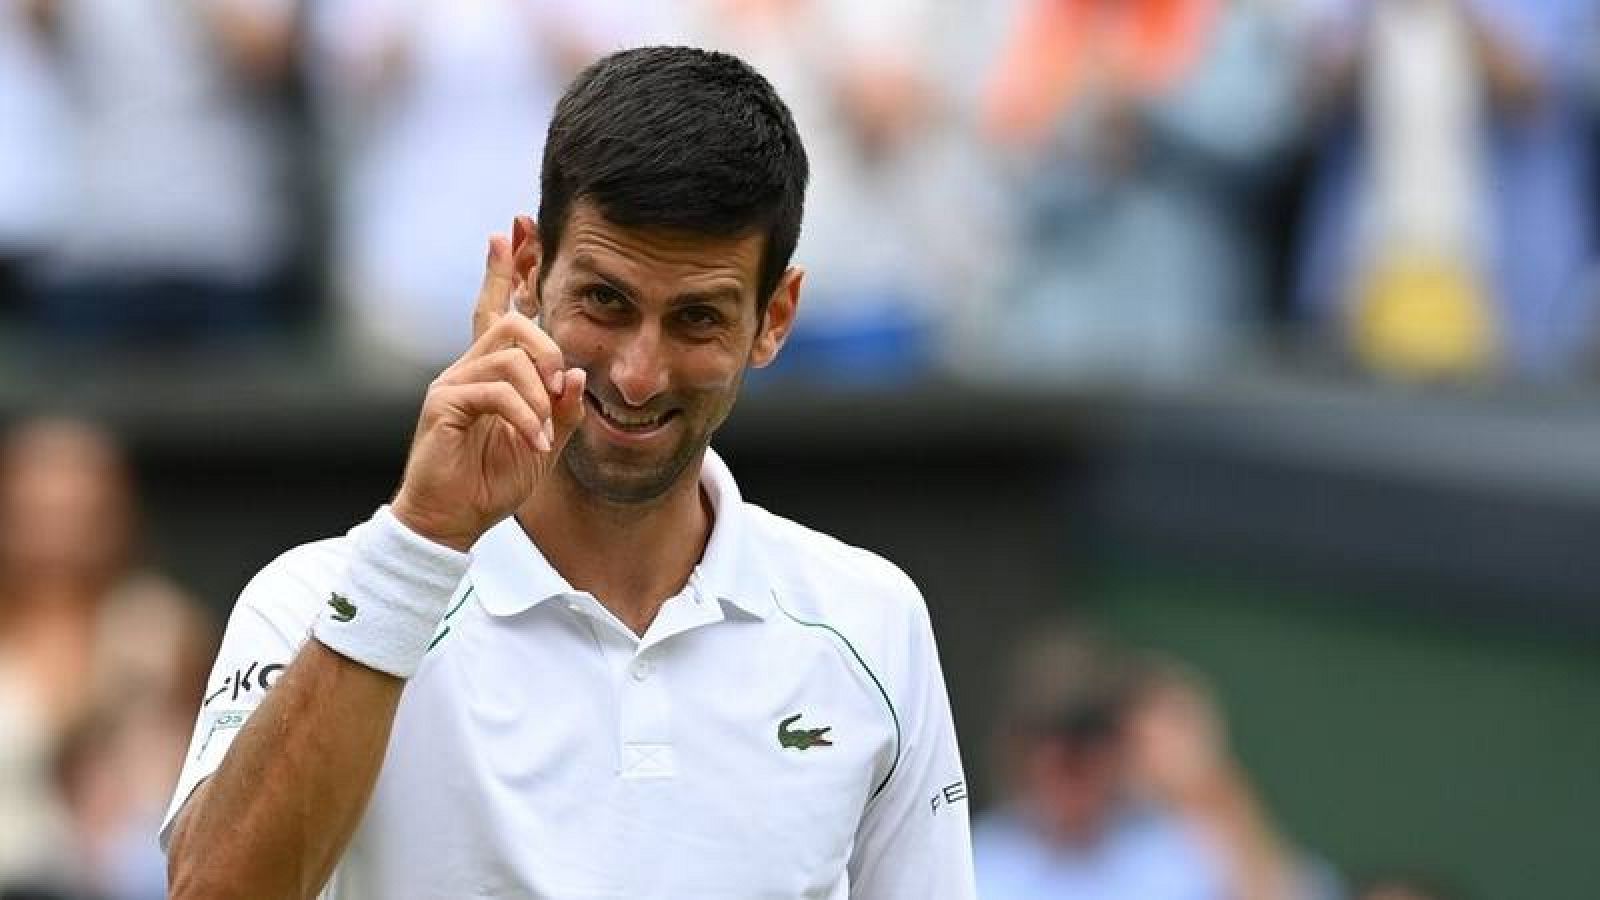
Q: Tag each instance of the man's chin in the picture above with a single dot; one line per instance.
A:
(625, 482)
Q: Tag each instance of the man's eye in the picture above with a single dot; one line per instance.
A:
(604, 297)
(700, 316)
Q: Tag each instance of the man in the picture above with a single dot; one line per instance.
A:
(568, 660)
(1118, 783)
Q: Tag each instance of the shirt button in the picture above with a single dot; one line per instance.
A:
(641, 669)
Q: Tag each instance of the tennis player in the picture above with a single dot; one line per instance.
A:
(567, 660)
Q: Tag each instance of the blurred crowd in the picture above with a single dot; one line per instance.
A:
(1039, 189)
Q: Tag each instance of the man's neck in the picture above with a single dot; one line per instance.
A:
(631, 557)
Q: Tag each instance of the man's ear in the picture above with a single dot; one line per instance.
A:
(526, 256)
(779, 317)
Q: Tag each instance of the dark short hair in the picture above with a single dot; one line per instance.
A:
(681, 138)
(1068, 682)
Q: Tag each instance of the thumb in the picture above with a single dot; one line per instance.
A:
(568, 411)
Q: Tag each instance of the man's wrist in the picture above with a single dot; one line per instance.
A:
(393, 594)
(427, 528)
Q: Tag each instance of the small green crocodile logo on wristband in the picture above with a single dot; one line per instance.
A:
(343, 609)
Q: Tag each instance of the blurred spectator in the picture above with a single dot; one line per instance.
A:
(99, 663)
(1117, 783)
(117, 765)
(32, 135)
(1451, 224)
(892, 235)
(434, 113)
(177, 213)
(1136, 131)
(64, 542)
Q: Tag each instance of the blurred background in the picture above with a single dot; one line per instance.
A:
(1226, 372)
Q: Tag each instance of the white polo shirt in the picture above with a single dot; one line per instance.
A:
(782, 729)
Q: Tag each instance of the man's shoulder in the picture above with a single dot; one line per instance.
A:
(297, 583)
(819, 573)
(807, 549)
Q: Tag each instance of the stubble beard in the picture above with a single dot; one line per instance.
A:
(596, 478)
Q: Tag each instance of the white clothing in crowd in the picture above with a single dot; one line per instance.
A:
(32, 134)
(435, 114)
(177, 162)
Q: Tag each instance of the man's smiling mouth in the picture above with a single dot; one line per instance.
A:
(625, 421)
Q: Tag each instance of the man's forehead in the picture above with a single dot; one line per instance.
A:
(596, 245)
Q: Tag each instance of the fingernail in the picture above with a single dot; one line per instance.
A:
(547, 437)
(558, 382)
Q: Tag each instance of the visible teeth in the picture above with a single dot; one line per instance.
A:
(627, 421)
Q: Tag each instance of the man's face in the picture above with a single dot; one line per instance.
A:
(665, 324)
(1074, 786)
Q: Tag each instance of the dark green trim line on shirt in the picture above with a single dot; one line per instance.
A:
(894, 716)
(453, 610)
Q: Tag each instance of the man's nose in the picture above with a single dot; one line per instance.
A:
(638, 370)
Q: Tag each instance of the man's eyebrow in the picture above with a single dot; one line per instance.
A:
(587, 265)
(728, 294)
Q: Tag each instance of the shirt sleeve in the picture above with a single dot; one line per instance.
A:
(269, 623)
(914, 841)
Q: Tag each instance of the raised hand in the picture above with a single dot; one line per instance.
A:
(493, 423)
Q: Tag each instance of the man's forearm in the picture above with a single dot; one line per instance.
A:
(274, 818)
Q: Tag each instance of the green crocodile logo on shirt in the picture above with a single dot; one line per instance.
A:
(802, 738)
(343, 609)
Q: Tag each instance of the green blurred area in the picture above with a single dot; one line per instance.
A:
(1387, 740)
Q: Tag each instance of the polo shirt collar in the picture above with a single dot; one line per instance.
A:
(731, 568)
(511, 575)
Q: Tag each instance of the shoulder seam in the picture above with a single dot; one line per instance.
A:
(882, 692)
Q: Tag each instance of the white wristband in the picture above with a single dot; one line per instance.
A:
(393, 595)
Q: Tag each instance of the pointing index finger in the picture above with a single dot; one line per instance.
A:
(494, 295)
